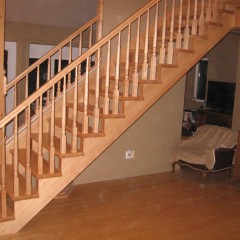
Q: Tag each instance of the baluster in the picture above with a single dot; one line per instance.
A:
(63, 133)
(215, 16)
(209, 12)
(202, 20)
(59, 69)
(170, 44)
(187, 30)
(162, 49)
(154, 56)
(48, 78)
(145, 61)
(15, 160)
(90, 36)
(75, 106)
(37, 87)
(3, 175)
(26, 94)
(80, 52)
(96, 108)
(106, 96)
(28, 152)
(116, 90)
(69, 61)
(179, 34)
(126, 79)
(40, 138)
(100, 21)
(135, 73)
(85, 100)
(52, 132)
(15, 95)
(195, 21)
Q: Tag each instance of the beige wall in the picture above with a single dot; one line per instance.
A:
(152, 137)
(115, 12)
(223, 60)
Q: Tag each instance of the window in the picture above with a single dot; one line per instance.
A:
(201, 80)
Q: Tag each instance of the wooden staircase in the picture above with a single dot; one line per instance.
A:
(71, 119)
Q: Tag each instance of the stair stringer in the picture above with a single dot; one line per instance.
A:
(25, 210)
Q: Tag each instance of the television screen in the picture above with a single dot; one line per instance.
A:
(220, 96)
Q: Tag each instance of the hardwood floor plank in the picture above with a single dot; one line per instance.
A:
(158, 206)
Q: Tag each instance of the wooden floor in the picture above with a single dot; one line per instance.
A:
(159, 206)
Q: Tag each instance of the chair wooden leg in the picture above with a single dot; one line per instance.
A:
(204, 174)
(173, 167)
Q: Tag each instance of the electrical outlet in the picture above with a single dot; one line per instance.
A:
(129, 154)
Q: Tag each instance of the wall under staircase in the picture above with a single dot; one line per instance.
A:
(167, 76)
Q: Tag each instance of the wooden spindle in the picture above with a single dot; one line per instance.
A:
(163, 49)
(28, 152)
(195, 21)
(90, 36)
(153, 67)
(135, 73)
(59, 69)
(69, 61)
(63, 130)
(201, 29)
(115, 105)
(126, 77)
(52, 132)
(106, 96)
(15, 95)
(3, 174)
(48, 79)
(170, 43)
(40, 138)
(179, 34)
(80, 53)
(75, 110)
(145, 61)
(15, 160)
(37, 87)
(100, 21)
(85, 100)
(26, 94)
(96, 108)
(209, 11)
(186, 36)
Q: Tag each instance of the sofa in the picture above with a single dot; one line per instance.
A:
(210, 149)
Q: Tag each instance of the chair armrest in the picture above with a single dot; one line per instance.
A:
(223, 158)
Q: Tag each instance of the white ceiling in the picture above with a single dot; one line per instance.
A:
(63, 13)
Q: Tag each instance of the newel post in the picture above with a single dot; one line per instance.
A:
(100, 21)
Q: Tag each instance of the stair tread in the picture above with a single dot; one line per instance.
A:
(121, 96)
(22, 186)
(69, 124)
(57, 144)
(90, 109)
(34, 164)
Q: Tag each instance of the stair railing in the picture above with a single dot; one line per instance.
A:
(112, 81)
(79, 41)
